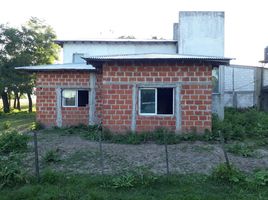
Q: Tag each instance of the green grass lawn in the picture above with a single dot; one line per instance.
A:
(189, 187)
(20, 121)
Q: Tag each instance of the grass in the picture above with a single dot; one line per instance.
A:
(187, 187)
(20, 121)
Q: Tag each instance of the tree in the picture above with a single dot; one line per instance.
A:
(32, 44)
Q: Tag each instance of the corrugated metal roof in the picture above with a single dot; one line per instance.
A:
(156, 57)
(60, 42)
(57, 67)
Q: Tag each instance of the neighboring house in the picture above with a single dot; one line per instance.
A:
(138, 85)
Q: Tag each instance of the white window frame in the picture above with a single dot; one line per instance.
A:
(156, 103)
(76, 98)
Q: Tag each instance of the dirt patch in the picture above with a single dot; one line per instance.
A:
(82, 156)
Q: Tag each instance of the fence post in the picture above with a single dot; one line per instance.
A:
(166, 153)
(100, 148)
(224, 151)
(36, 156)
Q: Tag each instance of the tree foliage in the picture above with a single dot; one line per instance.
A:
(31, 44)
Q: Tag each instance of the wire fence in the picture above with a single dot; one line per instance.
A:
(73, 154)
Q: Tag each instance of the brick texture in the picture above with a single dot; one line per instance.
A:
(114, 96)
(46, 84)
(195, 98)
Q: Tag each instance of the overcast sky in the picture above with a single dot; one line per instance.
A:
(246, 21)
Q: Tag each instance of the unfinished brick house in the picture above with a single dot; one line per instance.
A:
(138, 92)
(138, 85)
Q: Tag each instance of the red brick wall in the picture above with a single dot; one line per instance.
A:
(114, 100)
(195, 99)
(46, 84)
(46, 105)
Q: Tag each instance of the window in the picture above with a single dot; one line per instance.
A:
(156, 101)
(74, 98)
(215, 80)
(77, 58)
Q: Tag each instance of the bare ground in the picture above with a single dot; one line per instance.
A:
(78, 155)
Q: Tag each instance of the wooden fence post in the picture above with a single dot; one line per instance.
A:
(224, 150)
(36, 156)
(100, 148)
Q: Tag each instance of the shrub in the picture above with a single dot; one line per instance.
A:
(227, 174)
(12, 141)
(11, 172)
(37, 126)
(125, 180)
(51, 156)
(138, 177)
(50, 176)
(6, 125)
(241, 149)
(241, 123)
(259, 178)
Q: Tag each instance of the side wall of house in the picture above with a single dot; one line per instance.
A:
(192, 102)
(49, 86)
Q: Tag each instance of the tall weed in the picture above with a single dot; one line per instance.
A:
(12, 141)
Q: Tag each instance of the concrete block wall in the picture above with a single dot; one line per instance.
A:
(47, 84)
(241, 81)
(201, 33)
(121, 81)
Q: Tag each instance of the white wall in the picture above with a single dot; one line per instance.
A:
(112, 48)
(201, 33)
(244, 86)
(243, 78)
(265, 77)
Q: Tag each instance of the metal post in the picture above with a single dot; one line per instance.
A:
(166, 152)
(224, 151)
(101, 151)
(36, 157)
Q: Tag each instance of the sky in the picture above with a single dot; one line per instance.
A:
(246, 21)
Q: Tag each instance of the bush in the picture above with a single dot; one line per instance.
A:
(50, 176)
(139, 177)
(6, 125)
(229, 175)
(12, 141)
(241, 123)
(241, 149)
(259, 178)
(36, 126)
(11, 172)
(52, 156)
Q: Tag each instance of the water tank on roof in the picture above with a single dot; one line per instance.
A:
(266, 55)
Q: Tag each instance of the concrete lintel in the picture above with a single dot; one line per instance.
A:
(134, 104)
(162, 83)
(58, 107)
(64, 86)
(166, 85)
(92, 99)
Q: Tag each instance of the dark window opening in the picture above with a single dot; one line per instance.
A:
(82, 98)
(165, 101)
(156, 101)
